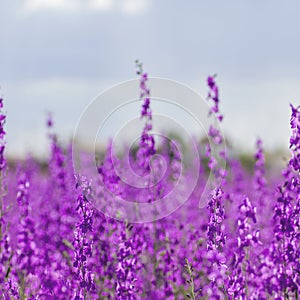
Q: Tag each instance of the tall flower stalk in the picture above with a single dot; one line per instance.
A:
(126, 269)
(247, 236)
(259, 172)
(216, 236)
(2, 167)
(27, 259)
(6, 251)
(285, 250)
(147, 143)
(83, 243)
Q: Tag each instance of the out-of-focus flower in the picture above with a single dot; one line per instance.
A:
(214, 96)
(147, 143)
(2, 135)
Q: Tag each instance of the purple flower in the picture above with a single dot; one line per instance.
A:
(2, 135)
(54, 244)
(147, 143)
(126, 268)
(239, 280)
(83, 243)
(259, 168)
(214, 96)
(295, 138)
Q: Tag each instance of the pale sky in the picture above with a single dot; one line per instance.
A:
(57, 55)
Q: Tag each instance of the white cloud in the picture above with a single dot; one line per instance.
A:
(103, 5)
(36, 5)
(130, 7)
(134, 6)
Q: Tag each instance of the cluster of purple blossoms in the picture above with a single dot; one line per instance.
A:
(147, 144)
(285, 251)
(107, 172)
(26, 258)
(23, 193)
(215, 233)
(57, 158)
(126, 268)
(213, 95)
(295, 138)
(82, 243)
(55, 244)
(242, 271)
(2, 169)
(216, 236)
(216, 239)
(2, 134)
(259, 168)
(2, 161)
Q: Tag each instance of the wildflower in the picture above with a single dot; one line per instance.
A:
(126, 268)
(240, 276)
(214, 96)
(82, 242)
(147, 143)
(2, 135)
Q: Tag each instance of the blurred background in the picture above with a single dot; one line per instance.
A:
(58, 55)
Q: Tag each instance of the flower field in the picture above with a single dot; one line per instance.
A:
(56, 242)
